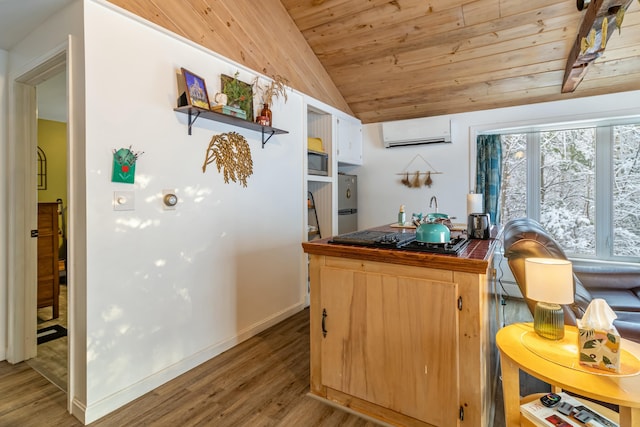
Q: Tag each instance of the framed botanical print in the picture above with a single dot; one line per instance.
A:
(239, 94)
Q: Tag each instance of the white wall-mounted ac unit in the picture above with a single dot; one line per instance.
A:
(428, 130)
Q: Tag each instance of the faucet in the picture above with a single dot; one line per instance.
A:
(433, 199)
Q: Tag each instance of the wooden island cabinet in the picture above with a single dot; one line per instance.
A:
(403, 337)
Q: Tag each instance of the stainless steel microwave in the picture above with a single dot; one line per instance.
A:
(318, 163)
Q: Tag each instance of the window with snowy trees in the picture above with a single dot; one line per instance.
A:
(582, 184)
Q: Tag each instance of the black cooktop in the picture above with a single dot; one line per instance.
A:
(405, 241)
(455, 246)
(375, 238)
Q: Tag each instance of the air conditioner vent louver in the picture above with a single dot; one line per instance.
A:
(431, 130)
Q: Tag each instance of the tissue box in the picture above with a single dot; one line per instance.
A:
(599, 349)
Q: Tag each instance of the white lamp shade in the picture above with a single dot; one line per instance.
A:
(549, 280)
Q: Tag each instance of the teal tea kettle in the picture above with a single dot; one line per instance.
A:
(433, 230)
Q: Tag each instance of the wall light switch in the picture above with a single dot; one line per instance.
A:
(124, 201)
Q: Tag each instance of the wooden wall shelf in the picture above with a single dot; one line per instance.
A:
(195, 112)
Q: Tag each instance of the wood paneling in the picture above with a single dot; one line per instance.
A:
(410, 58)
(259, 35)
(388, 60)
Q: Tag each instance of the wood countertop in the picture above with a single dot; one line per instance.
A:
(474, 258)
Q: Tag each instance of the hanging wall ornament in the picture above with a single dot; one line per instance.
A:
(416, 180)
(405, 180)
(124, 165)
(428, 181)
(232, 155)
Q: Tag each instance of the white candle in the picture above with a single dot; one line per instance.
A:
(474, 203)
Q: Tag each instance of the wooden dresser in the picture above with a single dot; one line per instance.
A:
(48, 275)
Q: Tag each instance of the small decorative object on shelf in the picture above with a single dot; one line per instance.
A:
(195, 90)
(276, 88)
(232, 154)
(239, 93)
(221, 99)
(230, 111)
(266, 112)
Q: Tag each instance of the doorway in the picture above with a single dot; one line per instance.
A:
(51, 359)
(24, 161)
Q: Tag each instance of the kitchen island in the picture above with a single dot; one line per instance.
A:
(406, 338)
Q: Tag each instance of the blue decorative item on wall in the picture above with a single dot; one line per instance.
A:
(124, 165)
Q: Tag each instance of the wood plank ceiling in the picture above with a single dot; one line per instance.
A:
(400, 59)
(413, 58)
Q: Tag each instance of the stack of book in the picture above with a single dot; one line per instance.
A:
(570, 412)
(230, 111)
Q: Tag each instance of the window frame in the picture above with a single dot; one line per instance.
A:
(604, 184)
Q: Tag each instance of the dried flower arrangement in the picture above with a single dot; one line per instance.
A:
(275, 89)
(232, 154)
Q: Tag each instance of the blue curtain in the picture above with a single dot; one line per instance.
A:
(489, 173)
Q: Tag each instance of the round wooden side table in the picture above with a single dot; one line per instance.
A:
(556, 363)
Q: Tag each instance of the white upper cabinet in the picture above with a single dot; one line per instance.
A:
(349, 141)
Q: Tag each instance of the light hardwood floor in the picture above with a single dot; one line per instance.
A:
(51, 361)
(261, 382)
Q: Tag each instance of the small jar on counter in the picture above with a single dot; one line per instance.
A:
(401, 216)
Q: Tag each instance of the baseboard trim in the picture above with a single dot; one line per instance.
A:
(349, 410)
(97, 410)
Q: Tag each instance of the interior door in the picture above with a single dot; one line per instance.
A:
(392, 341)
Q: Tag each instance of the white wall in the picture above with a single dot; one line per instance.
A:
(380, 190)
(4, 56)
(170, 289)
(163, 291)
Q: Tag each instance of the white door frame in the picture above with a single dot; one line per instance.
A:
(22, 206)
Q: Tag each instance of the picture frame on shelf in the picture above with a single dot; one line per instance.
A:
(195, 90)
(239, 93)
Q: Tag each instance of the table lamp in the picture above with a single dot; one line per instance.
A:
(550, 283)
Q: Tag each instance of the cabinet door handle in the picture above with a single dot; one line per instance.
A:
(324, 316)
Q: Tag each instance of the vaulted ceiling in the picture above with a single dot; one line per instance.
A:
(399, 59)
(411, 58)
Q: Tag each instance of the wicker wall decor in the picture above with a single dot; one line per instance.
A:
(232, 154)
(415, 179)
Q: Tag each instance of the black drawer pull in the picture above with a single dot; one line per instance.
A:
(324, 316)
